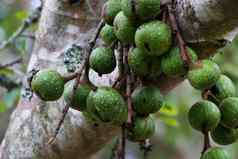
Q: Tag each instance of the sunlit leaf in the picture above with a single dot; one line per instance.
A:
(21, 15)
(6, 72)
(3, 107)
(169, 121)
(168, 110)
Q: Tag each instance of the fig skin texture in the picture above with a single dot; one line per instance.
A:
(229, 111)
(107, 34)
(204, 74)
(107, 105)
(223, 135)
(204, 116)
(146, 100)
(102, 60)
(143, 128)
(48, 85)
(215, 153)
(154, 38)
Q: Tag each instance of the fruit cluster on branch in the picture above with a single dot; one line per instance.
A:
(149, 44)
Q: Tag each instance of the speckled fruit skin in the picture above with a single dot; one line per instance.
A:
(107, 105)
(223, 88)
(124, 28)
(110, 10)
(107, 34)
(215, 153)
(204, 116)
(204, 74)
(224, 136)
(143, 128)
(172, 63)
(80, 97)
(154, 38)
(138, 62)
(229, 111)
(102, 60)
(48, 85)
(146, 100)
(142, 10)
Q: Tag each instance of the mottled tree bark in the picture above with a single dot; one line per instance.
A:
(33, 122)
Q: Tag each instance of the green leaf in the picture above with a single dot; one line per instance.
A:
(21, 15)
(169, 121)
(169, 110)
(6, 72)
(3, 107)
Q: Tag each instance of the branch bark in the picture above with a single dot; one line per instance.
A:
(34, 122)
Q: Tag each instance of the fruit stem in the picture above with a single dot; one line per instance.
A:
(206, 144)
(182, 45)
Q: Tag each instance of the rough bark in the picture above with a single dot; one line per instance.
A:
(33, 122)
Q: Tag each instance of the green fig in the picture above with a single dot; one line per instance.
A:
(107, 105)
(229, 111)
(79, 99)
(143, 128)
(102, 60)
(223, 135)
(172, 63)
(204, 74)
(110, 10)
(141, 9)
(154, 38)
(107, 34)
(215, 153)
(146, 100)
(48, 85)
(204, 116)
(223, 88)
(124, 28)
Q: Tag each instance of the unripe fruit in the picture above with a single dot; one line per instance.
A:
(223, 135)
(124, 28)
(146, 100)
(138, 62)
(223, 88)
(172, 63)
(154, 38)
(79, 98)
(141, 9)
(102, 60)
(204, 116)
(48, 85)
(110, 10)
(142, 129)
(204, 74)
(215, 153)
(107, 34)
(107, 105)
(229, 111)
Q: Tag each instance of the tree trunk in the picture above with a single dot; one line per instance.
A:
(34, 122)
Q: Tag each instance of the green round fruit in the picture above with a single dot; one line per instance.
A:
(223, 88)
(107, 34)
(110, 10)
(48, 85)
(154, 38)
(138, 62)
(223, 135)
(172, 63)
(143, 128)
(146, 100)
(204, 116)
(229, 111)
(80, 97)
(215, 153)
(102, 60)
(204, 74)
(124, 28)
(141, 9)
(107, 105)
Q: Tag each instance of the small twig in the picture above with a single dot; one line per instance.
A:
(122, 147)
(206, 144)
(2, 66)
(33, 18)
(182, 45)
